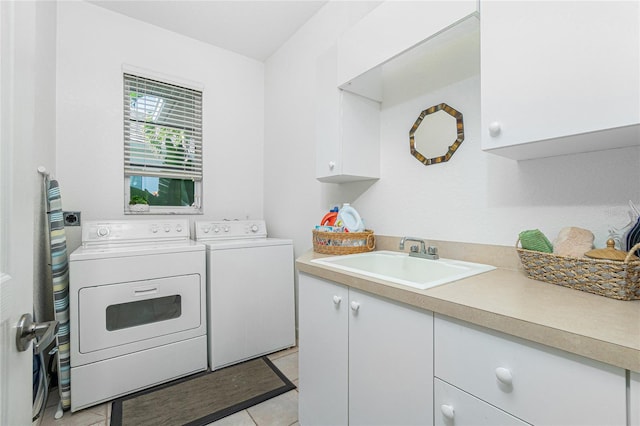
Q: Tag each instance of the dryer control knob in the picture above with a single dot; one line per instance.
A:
(167, 228)
(254, 228)
(103, 232)
(206, 229)
(226, 229)
(216, 229)
(178, 228)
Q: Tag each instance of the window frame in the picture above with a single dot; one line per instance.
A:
(196, 208)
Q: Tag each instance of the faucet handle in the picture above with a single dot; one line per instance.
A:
(414, 249)
(432, 251)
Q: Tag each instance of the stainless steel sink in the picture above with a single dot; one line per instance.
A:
(403, 269)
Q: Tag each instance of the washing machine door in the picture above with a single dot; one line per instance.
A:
(145, 313)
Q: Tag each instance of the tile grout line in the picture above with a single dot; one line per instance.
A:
(251, 417)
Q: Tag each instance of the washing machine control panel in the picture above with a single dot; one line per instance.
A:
(230, 229)
(107, 232)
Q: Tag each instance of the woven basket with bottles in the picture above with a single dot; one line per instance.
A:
(339, 243)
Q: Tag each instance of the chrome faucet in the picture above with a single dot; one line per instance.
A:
(423, 252)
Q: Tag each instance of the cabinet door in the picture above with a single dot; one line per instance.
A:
(327, 126)
(390, 362)
(347, 129)
(551, 70)
(634, 399)
(323, 339)
(455, 407)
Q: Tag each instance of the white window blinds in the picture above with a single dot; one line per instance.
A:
(162, 129)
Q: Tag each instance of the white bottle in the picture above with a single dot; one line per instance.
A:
(350, 218)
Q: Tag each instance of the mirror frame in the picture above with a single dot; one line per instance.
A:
(452, 148)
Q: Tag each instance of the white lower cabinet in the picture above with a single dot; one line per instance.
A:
(634, 399)
(453, 406)
(363, 359)
(535, 383)
(323, 357)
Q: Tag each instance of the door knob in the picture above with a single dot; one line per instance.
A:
(27, 330)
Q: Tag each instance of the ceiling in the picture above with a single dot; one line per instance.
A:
(251, 28)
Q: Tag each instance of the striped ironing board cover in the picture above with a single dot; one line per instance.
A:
(60, 283)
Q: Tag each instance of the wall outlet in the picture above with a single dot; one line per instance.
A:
(71, 218)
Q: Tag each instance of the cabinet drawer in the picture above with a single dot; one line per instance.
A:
(455, 407)
(538, 384)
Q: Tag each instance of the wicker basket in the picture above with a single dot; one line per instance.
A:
(609, 278)
(343, 242)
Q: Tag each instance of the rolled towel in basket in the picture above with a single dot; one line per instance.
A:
(535, 240)
(572, 241)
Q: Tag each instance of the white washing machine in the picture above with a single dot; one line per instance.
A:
(250, 282)
(137, 293)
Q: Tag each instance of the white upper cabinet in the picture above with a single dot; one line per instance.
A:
(381, 47)
(391, 29)
(347, 129)
(559, 77)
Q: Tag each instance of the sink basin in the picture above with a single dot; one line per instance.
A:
(403, 269)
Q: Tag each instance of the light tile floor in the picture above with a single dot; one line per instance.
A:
(279, 411)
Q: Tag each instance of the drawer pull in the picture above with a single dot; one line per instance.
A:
(447, 411)
(355, 306)
(337, 300)
(504, 375)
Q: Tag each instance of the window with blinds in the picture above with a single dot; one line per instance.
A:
(162, 145)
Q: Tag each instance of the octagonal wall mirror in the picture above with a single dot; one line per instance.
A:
(436, 134)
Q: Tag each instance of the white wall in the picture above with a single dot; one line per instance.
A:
(93, 45)
(293, 201)
(475, 197)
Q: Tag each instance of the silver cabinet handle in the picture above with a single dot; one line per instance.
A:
(27, 330)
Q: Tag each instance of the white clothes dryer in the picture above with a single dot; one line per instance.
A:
(251, 296)
(137, 293)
